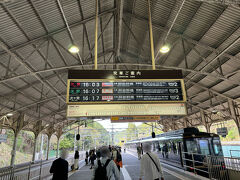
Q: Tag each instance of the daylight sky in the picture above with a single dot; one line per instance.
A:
(117, 126)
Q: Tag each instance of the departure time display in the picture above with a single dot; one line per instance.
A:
(119, 91)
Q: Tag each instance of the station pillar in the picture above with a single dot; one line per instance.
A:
(58, 141)
(13, 153)
(205, 122)
(17, 126)
(59, 133)
(35, 147)
(233, 111)
(37, 130)
(185, 122)
(48, 146)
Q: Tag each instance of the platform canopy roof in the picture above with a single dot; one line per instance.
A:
(204, 36)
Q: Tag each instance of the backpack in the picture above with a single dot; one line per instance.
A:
(101, 171)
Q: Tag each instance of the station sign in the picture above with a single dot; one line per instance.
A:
(116, 87)
(101, 110)
(3, 138)
(121, 119)
(222, 131)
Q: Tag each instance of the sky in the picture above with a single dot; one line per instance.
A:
(117, 126)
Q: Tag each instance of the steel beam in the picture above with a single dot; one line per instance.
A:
(211, 90)
(223, 2)
(34, 73)
(234, 114)
(119, 25)
(50, 34)
(85, 28)
(177, 34)
(68, 28)
(32, 104)
(170, 28)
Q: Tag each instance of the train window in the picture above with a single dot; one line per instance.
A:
(204, 147)
(191, 146)
(217, 147)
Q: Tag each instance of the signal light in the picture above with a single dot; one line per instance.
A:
(78, 137)
(153, 135)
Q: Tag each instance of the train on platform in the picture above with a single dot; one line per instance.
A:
(188, 149)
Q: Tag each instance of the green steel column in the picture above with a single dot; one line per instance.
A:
(34, 148)
(13, 153)
(48, 146)
(58, 141)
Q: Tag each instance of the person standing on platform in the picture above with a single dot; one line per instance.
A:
(76, 160)
(86, 158)
(98, 153)
(114, 154)
(106, 168)
(92, 158)
(59, 167)
(139, 152)
(119, 160)
(150, 165)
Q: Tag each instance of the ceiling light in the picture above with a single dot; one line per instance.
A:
(10, 114)
(214, 111)
(73, 49)
(165, 49)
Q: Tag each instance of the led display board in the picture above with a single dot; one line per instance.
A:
(101, 110)
(116, 86)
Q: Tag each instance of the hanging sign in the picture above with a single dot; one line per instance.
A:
(3, 138)
(101, 110)
(115, 86)
(222, 131)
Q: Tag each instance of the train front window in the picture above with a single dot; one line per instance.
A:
(217, 147)
(204, 147)
(191, 146)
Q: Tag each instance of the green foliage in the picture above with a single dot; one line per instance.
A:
(135, 132)
(67, 142)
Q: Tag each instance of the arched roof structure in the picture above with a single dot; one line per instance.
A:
(35, 34)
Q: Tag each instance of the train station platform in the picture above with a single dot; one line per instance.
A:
(131, 170)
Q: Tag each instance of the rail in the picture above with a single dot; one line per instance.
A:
(212, 167)
(32, 170)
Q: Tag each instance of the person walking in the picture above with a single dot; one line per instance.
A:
(86, 158)
(106, 169)
(98, 153)
(76, 160)
(119, 160)
(59, 167)
(92, 158)
(150, 165)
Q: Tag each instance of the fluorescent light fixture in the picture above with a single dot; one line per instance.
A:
(9, 114)
(73, 49)
(165, 49)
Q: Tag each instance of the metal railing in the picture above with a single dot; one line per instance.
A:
(212, 167)
(31, 171)
(234, 152)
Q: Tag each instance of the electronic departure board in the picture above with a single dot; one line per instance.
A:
(95, 87)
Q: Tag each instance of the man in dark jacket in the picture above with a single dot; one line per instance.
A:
(59, 167)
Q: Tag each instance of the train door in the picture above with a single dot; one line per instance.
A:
(180, 152)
